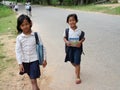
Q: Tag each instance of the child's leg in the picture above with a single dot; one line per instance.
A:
(77, 71)
(34, 84)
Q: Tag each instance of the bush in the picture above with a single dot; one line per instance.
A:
(113, 1)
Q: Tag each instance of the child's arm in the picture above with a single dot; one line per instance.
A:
(18, 51)
(80, 42)
(21, 68)
(66, 41)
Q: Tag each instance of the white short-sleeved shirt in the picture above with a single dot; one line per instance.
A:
(16, 7)
(73, 36)
(26, 48)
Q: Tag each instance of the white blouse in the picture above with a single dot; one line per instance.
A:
(26, 48)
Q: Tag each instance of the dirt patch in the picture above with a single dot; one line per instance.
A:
(10, 79)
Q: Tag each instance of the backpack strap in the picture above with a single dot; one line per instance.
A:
(36, 37)
(67, 33)
(82, 35)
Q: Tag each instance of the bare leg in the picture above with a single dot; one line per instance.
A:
(34, 84)
(77, 71)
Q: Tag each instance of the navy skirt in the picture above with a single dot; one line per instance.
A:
(73, 54)
(32, 69)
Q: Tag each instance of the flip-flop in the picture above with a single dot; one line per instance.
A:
(78, 81)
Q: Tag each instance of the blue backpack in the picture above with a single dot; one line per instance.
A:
(39, 49)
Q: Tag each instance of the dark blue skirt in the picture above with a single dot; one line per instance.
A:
(73, 54)
(32, 69)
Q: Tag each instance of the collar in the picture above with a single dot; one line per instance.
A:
(72, 29)
(24, 35)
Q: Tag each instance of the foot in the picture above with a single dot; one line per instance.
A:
(78, 81)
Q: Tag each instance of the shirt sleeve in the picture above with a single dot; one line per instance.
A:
(44, 49)
(18, 51)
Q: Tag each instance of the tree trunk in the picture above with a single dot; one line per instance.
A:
(61, 2)
(49, 2)
(81, 2)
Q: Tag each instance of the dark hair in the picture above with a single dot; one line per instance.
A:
(20, 20)
(72, 15)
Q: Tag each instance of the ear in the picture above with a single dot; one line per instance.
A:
(31, 23)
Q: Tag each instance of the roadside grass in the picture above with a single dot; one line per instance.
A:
(7, 27)
(95, 8)
(8, 24)
(5, 11)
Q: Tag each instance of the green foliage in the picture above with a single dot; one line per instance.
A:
(5, 11)
(8, 24)
(113, 1)
(68, 2)
(96, 8)
(115, 11)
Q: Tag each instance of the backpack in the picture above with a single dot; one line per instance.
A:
(27, 7)
(80, 37)
(39, 49)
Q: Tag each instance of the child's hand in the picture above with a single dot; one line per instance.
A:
(80, 42)
(21, 68)
(83, 39)
(44, 63)
(68, 43)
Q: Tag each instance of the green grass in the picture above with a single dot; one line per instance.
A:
(8, 24)
(7, 20)
(7, 27)
(95, 8)
(115, 11)
(5, 11)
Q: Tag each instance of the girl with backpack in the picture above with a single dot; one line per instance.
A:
(73, 38)
(26, 54)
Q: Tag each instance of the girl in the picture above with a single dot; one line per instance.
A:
(28, 8)
(16, 7)
(26, 50)
(73, 39)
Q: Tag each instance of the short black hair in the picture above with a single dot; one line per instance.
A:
(72, 15)
(20, 20)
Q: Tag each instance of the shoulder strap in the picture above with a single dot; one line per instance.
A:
(67, 33)
(36, 37)
(82, 35)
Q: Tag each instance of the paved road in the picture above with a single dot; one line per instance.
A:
(99, 67)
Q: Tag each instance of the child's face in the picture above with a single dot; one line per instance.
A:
(72, 22)
(26, 27)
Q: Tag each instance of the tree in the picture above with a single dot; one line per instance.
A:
(49, 2)
(61, 2)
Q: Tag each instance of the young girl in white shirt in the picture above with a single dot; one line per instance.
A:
(73, 39)
(26, 50)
